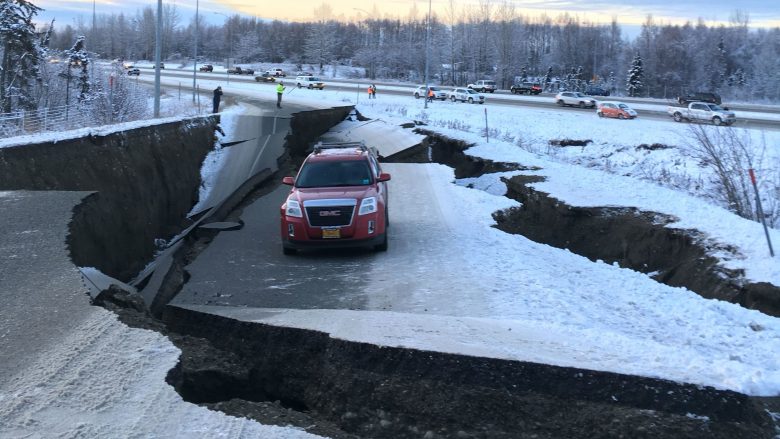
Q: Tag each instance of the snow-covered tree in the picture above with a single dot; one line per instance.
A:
(21, 53)
(320, 44)
(547, 78)
(635, 80)
(78, 58)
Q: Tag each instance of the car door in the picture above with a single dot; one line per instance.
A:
(700, 112)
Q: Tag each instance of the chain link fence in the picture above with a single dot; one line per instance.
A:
(62, 118)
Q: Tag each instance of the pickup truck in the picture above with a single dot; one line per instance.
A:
(703, 112)
(483, 85)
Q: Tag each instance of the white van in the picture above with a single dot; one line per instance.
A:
(309, 82)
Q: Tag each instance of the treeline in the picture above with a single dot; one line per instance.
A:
(466, 44)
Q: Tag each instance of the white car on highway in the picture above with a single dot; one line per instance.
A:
(464, 94)
(438, 93)
(575, 99)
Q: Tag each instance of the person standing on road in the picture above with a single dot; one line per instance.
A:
(217, 97)
(373, 91)
(430, 94)
(279, 92)
(370, 91)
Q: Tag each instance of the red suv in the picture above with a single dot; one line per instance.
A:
(338, 199)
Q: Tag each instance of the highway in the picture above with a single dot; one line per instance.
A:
(748, 116)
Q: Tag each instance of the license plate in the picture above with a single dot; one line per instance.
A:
(331, 233)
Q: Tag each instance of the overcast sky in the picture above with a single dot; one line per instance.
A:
(765, 13)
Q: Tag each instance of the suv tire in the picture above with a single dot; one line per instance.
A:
(289, 251)
(383, 246)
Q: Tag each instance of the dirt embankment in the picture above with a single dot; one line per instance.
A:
(145, 181)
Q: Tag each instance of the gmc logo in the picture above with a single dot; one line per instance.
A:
(330, 212)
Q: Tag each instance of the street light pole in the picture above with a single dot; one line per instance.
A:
(230, 45)
(157, 51)
(195, 53)
(427, 54)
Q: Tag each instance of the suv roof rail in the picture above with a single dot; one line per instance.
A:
(333, 145)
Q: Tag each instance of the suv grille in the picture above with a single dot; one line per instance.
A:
(329, 216)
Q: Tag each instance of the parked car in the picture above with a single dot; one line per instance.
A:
(265, 77)
(438, 93)
(466, 95)
(483, 85)
(134, 71)
(309, 82)
(240, 71)
(702, 112)
(206, 68)
(615, 109)
(699, 96)
(529, 88)
(127, 65)
(338, 199)
(574, 98)
(594, 90)
(162, 65)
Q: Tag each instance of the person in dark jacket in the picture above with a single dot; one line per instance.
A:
(217, 97)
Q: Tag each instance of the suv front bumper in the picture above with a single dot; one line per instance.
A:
(333, 243)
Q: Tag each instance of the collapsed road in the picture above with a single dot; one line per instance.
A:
(242, 314)
(240, 282)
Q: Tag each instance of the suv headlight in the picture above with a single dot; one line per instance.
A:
(368, 205)
(293, 209)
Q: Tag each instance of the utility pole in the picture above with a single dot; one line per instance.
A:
(195, 53)
(427, 53)
(157, 51)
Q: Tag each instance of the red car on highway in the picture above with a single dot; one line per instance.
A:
(338, 199)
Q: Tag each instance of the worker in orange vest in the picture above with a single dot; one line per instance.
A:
(431, 95)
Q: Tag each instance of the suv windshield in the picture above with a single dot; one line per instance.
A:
(329, 174)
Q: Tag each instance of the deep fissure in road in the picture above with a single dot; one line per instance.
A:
(342, 389)
(634, 239)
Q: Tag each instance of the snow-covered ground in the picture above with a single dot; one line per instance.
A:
(683, 336)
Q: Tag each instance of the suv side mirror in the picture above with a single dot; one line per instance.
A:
(288, 180)
(384, 176)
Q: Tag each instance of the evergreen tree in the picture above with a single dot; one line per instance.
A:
(635, 81)
(21, 54)
(321, 40)
(547, 78)
(79, 58)
(721, 75)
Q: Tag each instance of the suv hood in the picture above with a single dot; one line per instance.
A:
(323, 193)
